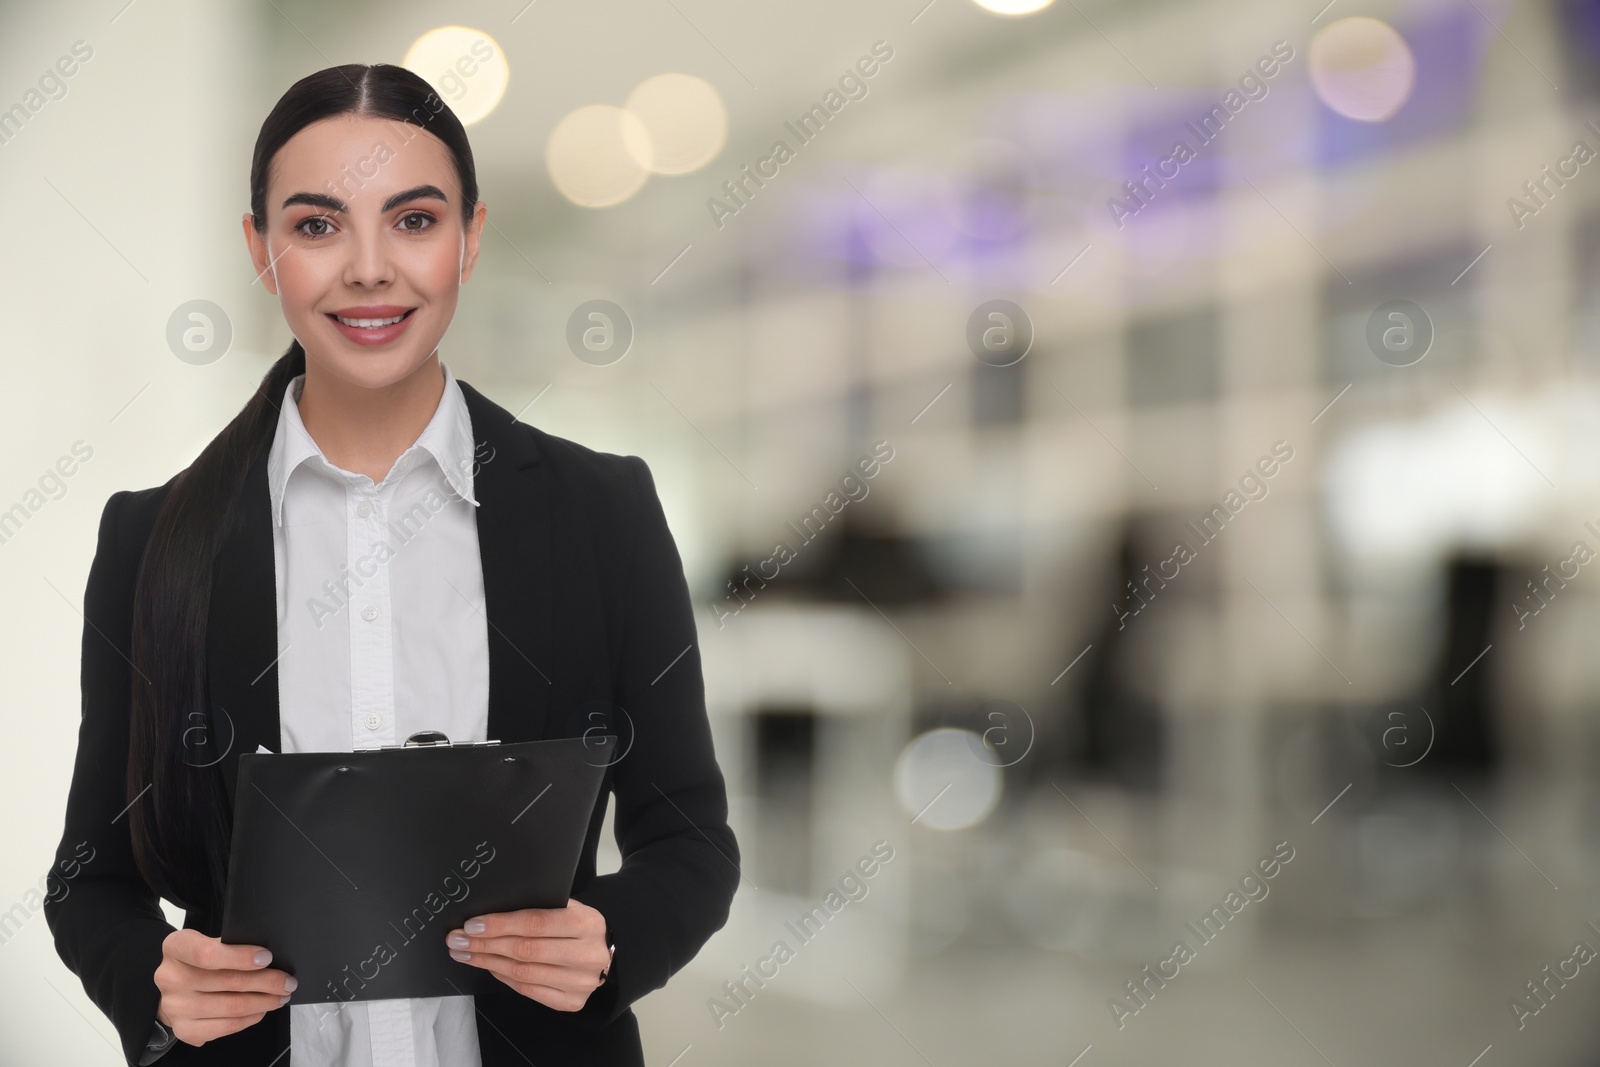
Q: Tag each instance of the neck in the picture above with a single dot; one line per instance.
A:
(364, 430)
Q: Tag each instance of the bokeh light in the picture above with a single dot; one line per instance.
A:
(939, 776)
(1012, 7)
(1362, 68)
(466, 67)
(598, 155)
(685, 118)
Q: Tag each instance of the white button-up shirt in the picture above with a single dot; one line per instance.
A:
(381, 633)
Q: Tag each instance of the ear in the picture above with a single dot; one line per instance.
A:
(257, 247)
(471, 239)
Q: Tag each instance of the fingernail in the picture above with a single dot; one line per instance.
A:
(283, 1000)
(460, 957)
(475, 926)
(290, 984)
(262, 958)
(457, 941)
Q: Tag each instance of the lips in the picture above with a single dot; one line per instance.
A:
(372, 324)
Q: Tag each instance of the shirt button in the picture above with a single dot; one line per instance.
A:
(364, 509)
(369, 613)
(374, 720)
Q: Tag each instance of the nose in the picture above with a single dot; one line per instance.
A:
(369, 264)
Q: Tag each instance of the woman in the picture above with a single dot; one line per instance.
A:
(267, 596)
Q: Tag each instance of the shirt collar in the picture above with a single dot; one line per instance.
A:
(447, 439)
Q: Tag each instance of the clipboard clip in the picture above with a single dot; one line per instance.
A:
(434, 739)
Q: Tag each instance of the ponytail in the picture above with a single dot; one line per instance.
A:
(180, 838)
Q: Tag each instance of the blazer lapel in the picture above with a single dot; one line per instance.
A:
(515, 505)
(515, 500)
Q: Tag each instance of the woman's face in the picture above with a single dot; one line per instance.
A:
(363, 226)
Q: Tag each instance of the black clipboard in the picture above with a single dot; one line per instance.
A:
(351, 867)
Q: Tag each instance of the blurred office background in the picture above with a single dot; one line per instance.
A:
(1344, 349)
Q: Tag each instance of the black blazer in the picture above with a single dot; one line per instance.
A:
(589, 624)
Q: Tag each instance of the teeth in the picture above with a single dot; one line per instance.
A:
(369, 323)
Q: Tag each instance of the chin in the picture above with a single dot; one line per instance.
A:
(375, 368)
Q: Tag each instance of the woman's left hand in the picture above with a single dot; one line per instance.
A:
(552, 955)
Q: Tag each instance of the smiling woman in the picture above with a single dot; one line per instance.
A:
(392, 234)
(544, 580)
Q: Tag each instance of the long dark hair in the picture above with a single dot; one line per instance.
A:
(180, 832)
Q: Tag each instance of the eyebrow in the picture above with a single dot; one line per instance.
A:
(333, 203)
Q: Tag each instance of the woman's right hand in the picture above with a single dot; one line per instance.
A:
(210, 990)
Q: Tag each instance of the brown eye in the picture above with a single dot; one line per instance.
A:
(315, 219)
(426, 221)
